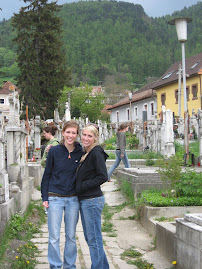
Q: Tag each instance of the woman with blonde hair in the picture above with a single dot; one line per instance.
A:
(91, 174)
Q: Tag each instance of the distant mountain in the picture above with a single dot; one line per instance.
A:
(117, 43)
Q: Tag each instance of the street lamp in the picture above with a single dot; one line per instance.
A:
(181, 28)
(130, 95)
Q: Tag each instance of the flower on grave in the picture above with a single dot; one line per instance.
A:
(16, 257)
(27, 262)
(174, 262)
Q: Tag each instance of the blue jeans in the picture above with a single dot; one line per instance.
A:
(91, 210)
(117, 162)
(70, 206)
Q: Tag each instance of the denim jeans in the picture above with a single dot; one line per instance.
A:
(117, 162)
(70, 207)
(91, 210)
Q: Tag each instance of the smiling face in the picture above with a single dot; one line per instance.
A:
(88, 139)
(70, 135)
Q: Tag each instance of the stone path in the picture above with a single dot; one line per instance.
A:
(129, 233)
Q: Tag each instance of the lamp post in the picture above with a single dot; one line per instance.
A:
(181, 28)
(130, 95)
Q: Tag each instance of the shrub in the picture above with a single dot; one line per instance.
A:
(170, 171)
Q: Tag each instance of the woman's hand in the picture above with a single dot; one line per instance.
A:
(45, 204)
(122, 155)
(48, 147)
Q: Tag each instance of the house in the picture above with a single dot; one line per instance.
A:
(5, 90)
(142, 100)
(167, 87)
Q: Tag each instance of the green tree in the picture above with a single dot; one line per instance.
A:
(40, 57)
(83, 103)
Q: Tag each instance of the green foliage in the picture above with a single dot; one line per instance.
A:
(40, 57)
(126, 188)
(160, 198)
(83, 103)
(26, 256)
(190, 184)
(132, 141)
(112, 156)
(114, 42)
(21, 228)
(132, 256)
(180, 149)
(145, 155)
(170, 171)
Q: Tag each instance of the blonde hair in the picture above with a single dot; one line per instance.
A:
(95, 132)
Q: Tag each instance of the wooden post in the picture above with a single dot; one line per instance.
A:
(27, 133)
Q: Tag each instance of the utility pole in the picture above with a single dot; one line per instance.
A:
(179, 90)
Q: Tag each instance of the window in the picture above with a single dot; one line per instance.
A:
(117, 116)
(1, 101)
(194, 91)
(163, 99)
(194, 65)
(176, 96)
(145, 107)
(168, 75)
(128, 114)
(135, 111)
(187, 90)
(152, 108)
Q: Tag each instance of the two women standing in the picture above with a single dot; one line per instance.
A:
(63, 193)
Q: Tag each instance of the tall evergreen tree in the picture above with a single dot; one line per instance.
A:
(40, 56)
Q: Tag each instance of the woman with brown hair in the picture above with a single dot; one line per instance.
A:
(58, 191)
(120, 151)
(49, 134)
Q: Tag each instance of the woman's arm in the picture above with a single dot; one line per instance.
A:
(100, 175)
(46, 177)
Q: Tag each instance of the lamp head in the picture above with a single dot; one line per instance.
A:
(181, 27)
(130, 95)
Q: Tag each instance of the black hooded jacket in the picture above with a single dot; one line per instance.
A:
(91, 173)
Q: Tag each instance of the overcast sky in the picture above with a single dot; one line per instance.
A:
(153, 8)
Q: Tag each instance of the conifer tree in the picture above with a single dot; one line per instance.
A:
(40, 57)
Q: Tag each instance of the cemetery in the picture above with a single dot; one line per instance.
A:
(20, 141)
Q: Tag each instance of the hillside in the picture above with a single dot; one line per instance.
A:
(115, 43)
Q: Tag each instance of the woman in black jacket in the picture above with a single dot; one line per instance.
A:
(92, 173)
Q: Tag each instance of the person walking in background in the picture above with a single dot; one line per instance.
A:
(58, 191)
(91, 173)
(120, 151)
(49, 133)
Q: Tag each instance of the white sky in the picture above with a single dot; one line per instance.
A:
(153, 8)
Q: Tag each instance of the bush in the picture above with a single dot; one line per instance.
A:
(132, 141)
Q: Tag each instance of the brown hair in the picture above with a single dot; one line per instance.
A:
(50, 129)
(70, 124)
(123, 126)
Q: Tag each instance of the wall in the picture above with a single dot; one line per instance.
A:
(171, 103)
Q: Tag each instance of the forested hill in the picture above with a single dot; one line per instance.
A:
(117, 43)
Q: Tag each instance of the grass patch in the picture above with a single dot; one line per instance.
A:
(16, 249)
(126, 188)
(164, 219)
(131, 252)
(131, 256)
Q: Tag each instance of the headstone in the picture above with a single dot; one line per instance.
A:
(67, 112)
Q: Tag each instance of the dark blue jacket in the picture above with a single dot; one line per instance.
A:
(60, 172)
(91, 173)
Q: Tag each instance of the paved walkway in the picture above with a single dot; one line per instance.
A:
(129, 233)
